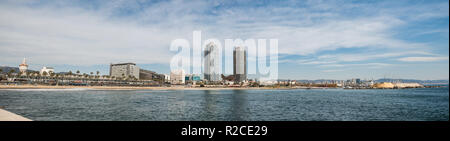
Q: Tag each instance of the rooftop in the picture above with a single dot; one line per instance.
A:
(118, 64)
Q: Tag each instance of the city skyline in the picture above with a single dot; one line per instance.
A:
(318, 40)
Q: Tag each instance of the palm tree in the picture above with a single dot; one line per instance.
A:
(11, 71)
(90, 76)
(78, 73)
(44, 73)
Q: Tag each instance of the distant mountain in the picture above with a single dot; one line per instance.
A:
(6, 69)
(414, 81)
(385, 80)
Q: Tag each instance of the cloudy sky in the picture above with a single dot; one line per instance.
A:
(317, 39)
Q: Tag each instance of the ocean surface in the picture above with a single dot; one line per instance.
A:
(424, 104)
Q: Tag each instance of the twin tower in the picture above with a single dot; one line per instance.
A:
(213, 63)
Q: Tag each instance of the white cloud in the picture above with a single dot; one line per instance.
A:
(366, 65)
(332, 70)
(423, 59)
(66, 33)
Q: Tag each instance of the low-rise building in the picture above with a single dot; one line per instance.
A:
(47, 70)
(177, 77)
(166, 78)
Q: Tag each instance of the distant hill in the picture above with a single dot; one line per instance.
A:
(414, 81)
(386, 80)
(6, 69)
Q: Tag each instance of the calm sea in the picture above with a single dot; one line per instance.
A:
(429, 104)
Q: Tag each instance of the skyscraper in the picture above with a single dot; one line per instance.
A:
(212, 62)
(239, 64)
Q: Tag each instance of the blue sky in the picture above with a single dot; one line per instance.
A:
(317, 39)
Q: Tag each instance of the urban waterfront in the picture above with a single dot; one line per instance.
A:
(420, 104)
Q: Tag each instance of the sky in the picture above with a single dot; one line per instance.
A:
(335, 39)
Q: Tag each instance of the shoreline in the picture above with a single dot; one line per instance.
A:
(172, 88)
(151, 88)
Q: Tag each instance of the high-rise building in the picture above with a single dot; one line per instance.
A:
(358, 81)
(126, 70)
(239, 64)
(212, 62)
(23, 67)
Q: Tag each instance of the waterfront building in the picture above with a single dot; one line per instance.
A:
(47, 70)
(124, 70)
(196, 78)
(23, 67)
(239, 64)
(150, 75)
(166, 78)
(177, 76)
(212, 64)
(192, 77)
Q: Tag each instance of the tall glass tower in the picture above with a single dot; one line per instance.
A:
(212, 62)
(239, 64)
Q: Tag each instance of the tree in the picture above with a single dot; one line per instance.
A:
(11, 71)
(1, 70)
(78, 72)
(98, 72)
(44, 73)
(69, 73)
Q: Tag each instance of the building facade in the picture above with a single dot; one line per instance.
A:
(239, 64)
(177, 77)
(166, 78)
(212, 62)
(150, 75)
(126, 70)
(47, 70)
(23, 67)
(192, 77)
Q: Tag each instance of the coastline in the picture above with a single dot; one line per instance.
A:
(170, 88)
(148, 88)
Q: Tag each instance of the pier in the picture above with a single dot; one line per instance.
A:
(8, 116)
